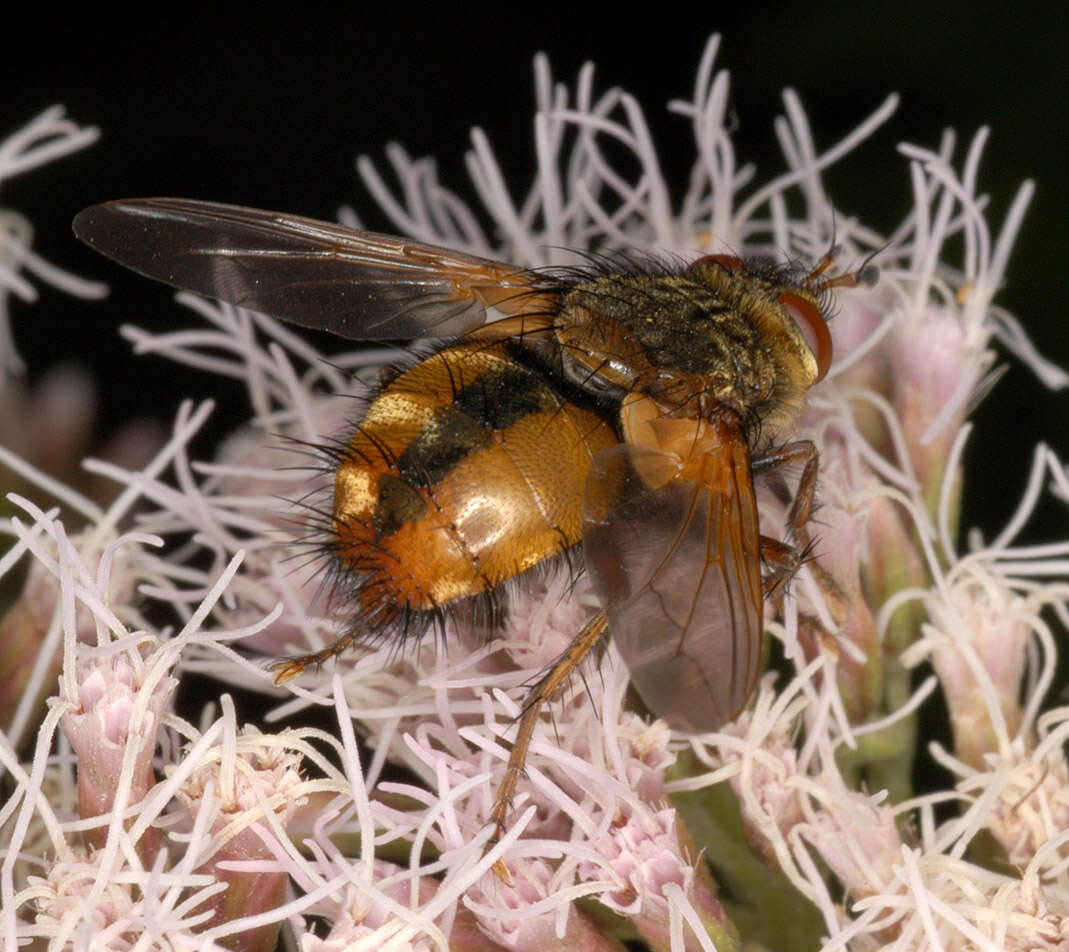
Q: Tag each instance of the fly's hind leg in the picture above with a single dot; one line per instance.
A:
(583, 643)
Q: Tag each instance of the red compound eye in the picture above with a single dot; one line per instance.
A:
(725, 261)
(813, 327)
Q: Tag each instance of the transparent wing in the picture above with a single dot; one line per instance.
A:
(360, 285)
(675, 563)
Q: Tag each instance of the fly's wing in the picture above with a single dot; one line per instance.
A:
(674, 559)
(359, 285)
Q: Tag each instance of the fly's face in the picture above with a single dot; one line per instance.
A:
(619, 410)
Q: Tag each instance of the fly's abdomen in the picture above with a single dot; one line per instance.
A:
(467, 470)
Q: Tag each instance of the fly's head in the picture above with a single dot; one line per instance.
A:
(719, 334)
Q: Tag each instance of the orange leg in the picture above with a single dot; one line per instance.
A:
(785, 559)
(285, 671)
(583, 643)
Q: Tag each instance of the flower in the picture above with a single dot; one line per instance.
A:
(44, 428)
(795, 824)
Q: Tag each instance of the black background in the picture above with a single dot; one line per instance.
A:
(269, 108)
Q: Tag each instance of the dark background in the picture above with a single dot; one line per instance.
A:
(270, 109)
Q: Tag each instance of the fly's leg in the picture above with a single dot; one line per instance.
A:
(785, 559)
(290, 668)
(588, 638)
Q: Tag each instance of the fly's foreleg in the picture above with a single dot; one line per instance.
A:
(784, 559)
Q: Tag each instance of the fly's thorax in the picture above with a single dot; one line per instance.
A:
(705, 336)
(771, 300)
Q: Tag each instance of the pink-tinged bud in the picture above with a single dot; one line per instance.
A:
(364, 915)
(114, 732)
(1032, 810)
(933, 361)
(647, 755)
(531, 915)
(78, 905)
(26, 624)
(766, 779)
(68, 885)
(840, 551)
(894, 563)
(860, 367)
(262, 776)
(468, 936)
(658, 873)
(22, 635)
(858, 840)
(979, 633)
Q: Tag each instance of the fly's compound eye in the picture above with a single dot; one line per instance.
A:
(814, 328)
(728, 262)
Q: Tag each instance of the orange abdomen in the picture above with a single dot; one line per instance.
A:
(467, 470)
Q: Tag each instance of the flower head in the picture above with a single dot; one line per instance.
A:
(803, 807)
